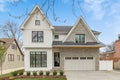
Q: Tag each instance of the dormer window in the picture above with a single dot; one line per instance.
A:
(37, 22)
(80, 38)
(56, 36)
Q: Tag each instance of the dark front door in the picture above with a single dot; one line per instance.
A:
(56, 59)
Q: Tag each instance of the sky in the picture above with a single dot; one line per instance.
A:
(100, 15)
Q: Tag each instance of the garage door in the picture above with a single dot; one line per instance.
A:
(79, 63)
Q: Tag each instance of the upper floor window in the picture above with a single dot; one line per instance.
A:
(10, 57)
(37, 36)
(80, 38)
(37, 22)
(56, 36)
(13, 46)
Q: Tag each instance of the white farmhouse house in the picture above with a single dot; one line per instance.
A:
(50, 47)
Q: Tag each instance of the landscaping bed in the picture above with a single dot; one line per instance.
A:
(35, 75)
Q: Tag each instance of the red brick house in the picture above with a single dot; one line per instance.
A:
(113, 55)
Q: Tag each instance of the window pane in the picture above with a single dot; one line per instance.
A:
(56, 36)
(80, 38)
(40, 36)
(44, 60)
(32, 59)
(34, 36)
(38, 59)
(37, 22)
(56, 59)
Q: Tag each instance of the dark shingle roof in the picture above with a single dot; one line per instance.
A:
(66, 29)
(72, 43)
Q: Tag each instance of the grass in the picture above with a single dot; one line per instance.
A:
(6, 75)
(42, 79)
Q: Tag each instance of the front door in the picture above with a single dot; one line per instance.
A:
(56, 59)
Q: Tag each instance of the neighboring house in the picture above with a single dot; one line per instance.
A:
(50, 47)
(113, 55)
(14, 56)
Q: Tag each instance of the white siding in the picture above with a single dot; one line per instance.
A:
(61, 37)
(30, 26)
(27, 60)
(47, 39)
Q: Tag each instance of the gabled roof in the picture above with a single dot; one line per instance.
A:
(8, 41)
(29, 15)
(86, 26)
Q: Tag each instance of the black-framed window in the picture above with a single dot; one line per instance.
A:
(37, 22)
(56, 59)
(56, 36)
(37, 36)
(38, 59)
(80, 38)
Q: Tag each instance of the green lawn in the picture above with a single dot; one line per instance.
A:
(42, 79)
(6, 75)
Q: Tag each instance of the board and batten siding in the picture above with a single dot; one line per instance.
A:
(27, 60)
(61, 37)
(30, 26)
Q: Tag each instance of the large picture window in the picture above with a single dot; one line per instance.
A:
(80, 38)
(37, 36)
(38, 59)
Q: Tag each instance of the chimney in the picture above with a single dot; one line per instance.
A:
(118, 36)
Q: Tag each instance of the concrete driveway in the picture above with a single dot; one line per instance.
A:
(92, 75)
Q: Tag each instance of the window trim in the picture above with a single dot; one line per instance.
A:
(10, 57)
(41, 61)
(13, 46)
(55, 36)
(36, 21)
(83, 58)
(59, 59)
(90, 58)
(79, 40)
(38, 36)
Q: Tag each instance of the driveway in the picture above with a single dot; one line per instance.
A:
(92, 75)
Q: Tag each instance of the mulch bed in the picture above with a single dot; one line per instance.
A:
(50, 76)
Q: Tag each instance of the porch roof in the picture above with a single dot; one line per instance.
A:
(72, 44)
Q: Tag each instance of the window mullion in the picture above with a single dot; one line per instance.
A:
(41, 59)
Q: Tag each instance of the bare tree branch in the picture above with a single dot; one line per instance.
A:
(10, 29)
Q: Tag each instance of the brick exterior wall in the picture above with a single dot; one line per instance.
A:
(117, 49)
(115, 56)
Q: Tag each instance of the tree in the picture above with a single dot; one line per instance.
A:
(10, 29)
(2, 56)
(48, 6)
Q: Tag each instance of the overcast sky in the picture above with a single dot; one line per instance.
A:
(100, 15)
